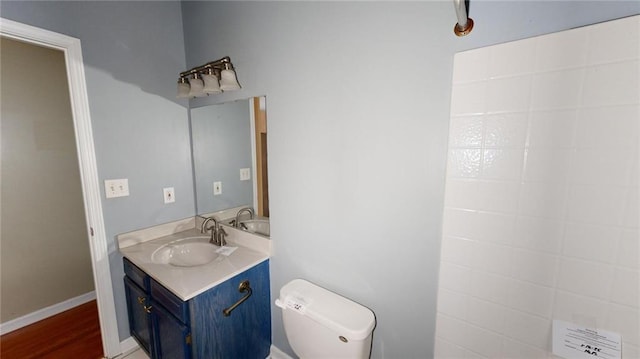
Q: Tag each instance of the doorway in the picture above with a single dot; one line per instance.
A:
(41, 193)
(94, 232)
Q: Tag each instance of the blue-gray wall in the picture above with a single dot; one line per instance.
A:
(358, 123)
(358, 117)
(133, 52)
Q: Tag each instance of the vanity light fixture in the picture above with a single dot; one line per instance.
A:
(211, 78)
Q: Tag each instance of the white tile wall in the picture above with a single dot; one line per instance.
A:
(541, 202)
(511, 59)
(557, 89)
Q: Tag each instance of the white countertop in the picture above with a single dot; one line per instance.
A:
(187, 282)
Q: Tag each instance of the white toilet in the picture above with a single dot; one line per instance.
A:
(322, 324)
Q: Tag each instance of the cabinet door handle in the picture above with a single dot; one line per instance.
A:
(243, 287)
(141, 301)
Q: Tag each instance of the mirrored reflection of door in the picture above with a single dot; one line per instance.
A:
(260, 113)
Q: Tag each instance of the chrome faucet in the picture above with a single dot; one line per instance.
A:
(217, 232)
(246, 209)
(220, 241)
(214, 229)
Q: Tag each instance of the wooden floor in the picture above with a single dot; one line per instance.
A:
(71, 334)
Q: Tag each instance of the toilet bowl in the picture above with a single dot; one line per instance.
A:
(321, 324)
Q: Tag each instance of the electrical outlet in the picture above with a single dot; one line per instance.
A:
(245, 174)
(169, 195)
(217, 188)
(116, 188)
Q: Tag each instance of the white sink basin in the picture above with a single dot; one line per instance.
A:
(186, 252)
(259, 226)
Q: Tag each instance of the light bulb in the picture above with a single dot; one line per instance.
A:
(197, 87)
(228, 80)
(183, 88)
(211, 84)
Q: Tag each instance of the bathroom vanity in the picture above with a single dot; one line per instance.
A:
(192, 311)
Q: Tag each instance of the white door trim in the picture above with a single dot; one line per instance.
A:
(88, 169)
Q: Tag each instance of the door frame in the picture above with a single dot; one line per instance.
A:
(96, 236)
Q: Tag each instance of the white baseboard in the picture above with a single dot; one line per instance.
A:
(44, 313)
(129, 345)
(278, 354)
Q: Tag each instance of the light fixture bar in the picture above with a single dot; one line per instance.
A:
(217, 64)
(219, 76)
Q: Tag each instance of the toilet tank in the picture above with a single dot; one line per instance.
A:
(322, 324)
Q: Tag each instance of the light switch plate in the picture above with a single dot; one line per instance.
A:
(245, 174)
(217, 188)
(116, 187)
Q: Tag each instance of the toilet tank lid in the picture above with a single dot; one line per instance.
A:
(344, 316)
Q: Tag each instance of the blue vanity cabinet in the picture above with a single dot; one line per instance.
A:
(171, 324)
(158, 320)
(136, 286)
(198, 328)
(173, 337)
(246, 332)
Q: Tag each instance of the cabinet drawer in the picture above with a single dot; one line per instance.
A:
(170, 302)
(136, 274)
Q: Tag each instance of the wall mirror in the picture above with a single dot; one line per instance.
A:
(229, 144)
